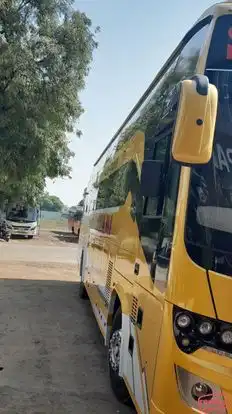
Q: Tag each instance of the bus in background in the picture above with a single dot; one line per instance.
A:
(156, 236)
(71, 221)
(77, 222)
(23, 220)
(74, 222)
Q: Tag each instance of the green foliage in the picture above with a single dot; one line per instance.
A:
(46, 48)
(149, 117)
(113, 190)
(114, 181)
(51, 203)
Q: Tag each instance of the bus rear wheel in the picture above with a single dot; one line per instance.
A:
(117, 383)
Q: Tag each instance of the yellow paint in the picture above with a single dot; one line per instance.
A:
(193, 143)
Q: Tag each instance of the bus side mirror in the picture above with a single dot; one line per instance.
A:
(195, 122)
(151, 178)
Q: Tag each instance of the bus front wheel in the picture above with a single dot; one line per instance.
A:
(30, 237)
(82, 289)
(117, 383)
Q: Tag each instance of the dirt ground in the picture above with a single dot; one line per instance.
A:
(52, 359)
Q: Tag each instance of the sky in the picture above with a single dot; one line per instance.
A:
(136, 38)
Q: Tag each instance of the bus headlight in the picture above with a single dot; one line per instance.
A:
(205, 327)
(183, 320)
(226, 337)
(201, 390)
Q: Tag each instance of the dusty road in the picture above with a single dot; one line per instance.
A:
(51, 355)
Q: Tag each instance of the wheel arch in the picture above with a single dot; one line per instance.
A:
(82, 263)
(118, 298)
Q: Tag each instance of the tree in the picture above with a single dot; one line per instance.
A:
(46, 49)
(51, 203)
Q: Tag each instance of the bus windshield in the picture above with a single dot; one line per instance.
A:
(25, 214)
(208, 232)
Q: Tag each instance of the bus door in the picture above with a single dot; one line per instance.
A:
(149, 291)
(126, 221)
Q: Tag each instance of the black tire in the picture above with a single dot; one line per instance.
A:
(117, 383)
(82, 289)
(30, 237)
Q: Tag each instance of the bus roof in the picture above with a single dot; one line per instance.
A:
(211, 9)
(207, 14)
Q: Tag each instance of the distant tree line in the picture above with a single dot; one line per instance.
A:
(51, 203)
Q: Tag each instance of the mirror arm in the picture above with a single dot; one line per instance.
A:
(202, 84)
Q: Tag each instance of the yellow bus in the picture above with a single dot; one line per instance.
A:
(156, 235)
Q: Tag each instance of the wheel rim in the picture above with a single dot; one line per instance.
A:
(114, 350)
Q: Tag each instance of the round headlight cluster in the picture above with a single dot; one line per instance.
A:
(193, 331)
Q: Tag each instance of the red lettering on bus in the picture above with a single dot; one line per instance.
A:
(229, 52)
(215, 405)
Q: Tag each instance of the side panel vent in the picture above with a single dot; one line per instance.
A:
(108, 280)
(134, 310)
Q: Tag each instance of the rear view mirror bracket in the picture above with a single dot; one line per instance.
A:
(202, 84)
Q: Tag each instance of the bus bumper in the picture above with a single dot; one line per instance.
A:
(177, 373)
(19, 231)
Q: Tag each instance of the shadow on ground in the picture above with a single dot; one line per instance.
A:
(65, 236)
(18, 237)
(52, 355)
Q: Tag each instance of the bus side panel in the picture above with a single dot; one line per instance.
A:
(146, 316)
(99, 309)
(102, 258)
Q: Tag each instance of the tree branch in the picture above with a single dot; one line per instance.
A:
(5, 108)
(23, 4)
(9, 80)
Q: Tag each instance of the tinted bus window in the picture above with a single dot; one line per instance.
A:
(220, 52)
(209, 217)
